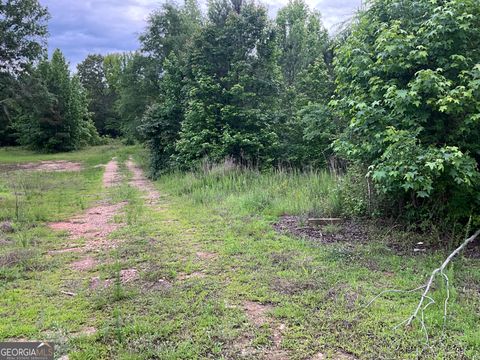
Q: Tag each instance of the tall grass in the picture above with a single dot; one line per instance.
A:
(246, 190)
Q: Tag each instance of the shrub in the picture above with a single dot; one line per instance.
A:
(408, 82)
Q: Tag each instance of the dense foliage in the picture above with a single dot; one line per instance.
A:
(238, 85)
(394, 97)
(57, 118)
(23, 30)
(101, 96)
(408, 82)
(23, 27)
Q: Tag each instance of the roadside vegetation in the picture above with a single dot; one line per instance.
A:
(249, 129)
(215, 278)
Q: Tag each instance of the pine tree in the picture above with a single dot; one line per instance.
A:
(58, 118)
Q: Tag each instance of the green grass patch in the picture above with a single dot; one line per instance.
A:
(206, 248)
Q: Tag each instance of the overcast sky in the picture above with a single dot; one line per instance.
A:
(81, 27)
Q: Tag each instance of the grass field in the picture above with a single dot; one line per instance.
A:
(213, 278)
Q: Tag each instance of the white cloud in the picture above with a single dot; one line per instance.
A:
(82, 27)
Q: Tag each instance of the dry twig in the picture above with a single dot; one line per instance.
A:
(422, 304)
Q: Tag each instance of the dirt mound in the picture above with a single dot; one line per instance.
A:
(346, 231)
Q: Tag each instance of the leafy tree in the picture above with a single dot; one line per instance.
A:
(307, 126)
(101, 96)
(162, 121)
(57, 118)
(169, 29)
(167, 40)
(23, 29)
(113, 66)
(301, 37)
(408, 81)
(231, 87)
(138, 87)
(9, 90)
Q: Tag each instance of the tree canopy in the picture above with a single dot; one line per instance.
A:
(408, 84)
(23, 30)
(395, 95)
(57, 118)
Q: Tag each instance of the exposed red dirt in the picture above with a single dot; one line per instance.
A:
(141, 182)
(126, 276)
(111, 175)
(258, 315)
(54, 165)
(96, 224)
(256, 312)
(206, 255)
(84, 264)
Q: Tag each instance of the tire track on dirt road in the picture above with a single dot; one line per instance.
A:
(96, 224)
(139, 181)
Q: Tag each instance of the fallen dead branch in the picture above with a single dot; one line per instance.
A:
(423, 304)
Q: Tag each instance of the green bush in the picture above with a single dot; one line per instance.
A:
(408, 82)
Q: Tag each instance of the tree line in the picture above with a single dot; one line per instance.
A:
(394, 95)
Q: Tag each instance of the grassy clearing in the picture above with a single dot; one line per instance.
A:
(32, 305)
(250, 192)
(39, 196)
(205, 249)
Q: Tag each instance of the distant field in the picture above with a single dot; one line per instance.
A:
(204, 266)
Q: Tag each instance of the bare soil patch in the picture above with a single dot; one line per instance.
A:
(161, 285)
(6, 227)
(86, 331)
(96, 224)
(356, 232)
(257, 314)
(141, 182)
(339, 355)
(193, 275)
(206, 255)
(65, 250)
(111, 175)
(346, 231)
(84, 264)
(49, 166)
(126, 276)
